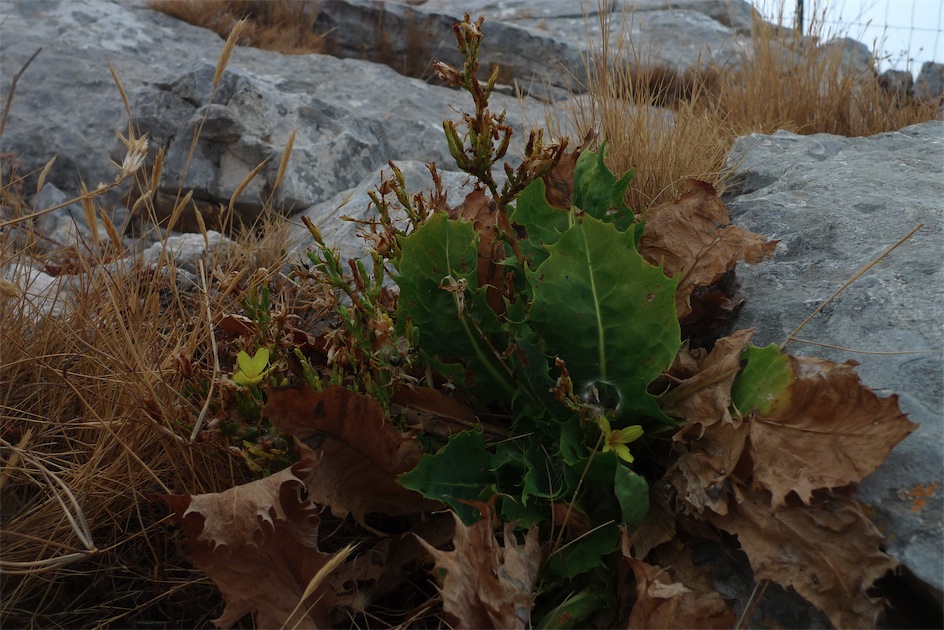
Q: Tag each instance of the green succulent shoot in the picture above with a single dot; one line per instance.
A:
(251, 369)
(616, 439)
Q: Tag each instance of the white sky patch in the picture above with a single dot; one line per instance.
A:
(904, 33)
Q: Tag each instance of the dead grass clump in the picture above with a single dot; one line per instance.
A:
(113, 389)
(796, 85)
(288, 26)
(97, 407)
(415, 59)
(790, 84)
(285, 26)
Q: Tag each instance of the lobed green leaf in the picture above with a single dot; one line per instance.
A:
(455, 474)
(598, 192)
(606, 312)
(451, 323)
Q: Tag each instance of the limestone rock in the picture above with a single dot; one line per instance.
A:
(930, 83)
(898, 82)
(836, 203)
(350, 116)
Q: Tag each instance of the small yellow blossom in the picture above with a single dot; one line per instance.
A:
(251, 370)
(616, 440)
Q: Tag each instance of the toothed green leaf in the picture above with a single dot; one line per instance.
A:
(632, 492)
(606, 312)
(455, 474)
(540, 224)
(598, 192)
(438, 293)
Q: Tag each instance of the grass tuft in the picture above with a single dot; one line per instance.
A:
(285, 26)
(790, 84)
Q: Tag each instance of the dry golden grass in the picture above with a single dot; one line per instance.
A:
(285, 26)
(789, 86)
(288, 26)
(98, 405)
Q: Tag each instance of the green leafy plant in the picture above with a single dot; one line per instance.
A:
(535, 313)
(551, 314)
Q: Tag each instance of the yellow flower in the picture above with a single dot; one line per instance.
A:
(251, 370)
(616, 440)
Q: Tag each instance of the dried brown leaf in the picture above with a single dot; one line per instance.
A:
(705, 397)
(687, 362)
(381, 569)
(833, 432)
(829, 433)
(678, 595)
(702, 474)
(488, 585)
(360, 451)
(828, 552)
(559, 182)
(711, 444)
(479, 209)
(259, 544)
(435, 402)
(692, 236)
(657, 527)
(237, 326)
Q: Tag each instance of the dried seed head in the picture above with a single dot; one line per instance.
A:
(134, 159)
(447, 73)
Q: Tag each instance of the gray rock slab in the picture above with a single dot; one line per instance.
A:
(546, 44)
(350, 116)
(836, 204)
(734, 13)
(930, 83)
(531, 58)
(652, 38)
(43, 294)
(66, 103)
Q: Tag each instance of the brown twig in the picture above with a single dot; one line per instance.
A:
(16, 77)
(858, 274)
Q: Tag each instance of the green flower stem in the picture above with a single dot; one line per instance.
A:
(485, 358)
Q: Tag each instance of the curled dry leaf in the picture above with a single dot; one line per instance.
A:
(702, 474)
(677, 594)
(479, 209)
(360, 453)
(488, 585)
(769, 479)
(692, 236)
(712, 442)
(705, 397)
(559, 181)
(828, 552)
(259, 544)
(833, 432)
